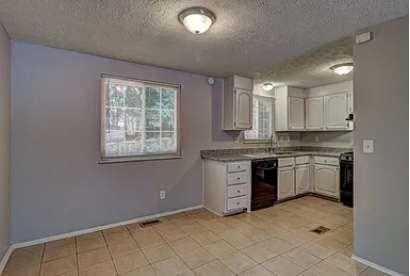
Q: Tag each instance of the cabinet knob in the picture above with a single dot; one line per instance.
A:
(238, 178)
(238, 191)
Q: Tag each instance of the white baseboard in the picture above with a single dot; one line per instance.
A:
(376, 266)
(5, 258)
(102, 227)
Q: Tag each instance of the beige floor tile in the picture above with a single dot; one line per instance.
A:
(238, 262)
(129, 262)
(118, 229)
(27, 258)
(119, 249)
(22, 270)
(87, 244)
(281, 266)
(238, 240)
(347, 264)
(324, 248)
(192, 228)
(220, 249)
(184, 245)
(90, 258)
(59, 266)
(325, 269)
(171, 267)
(300, 256)
(102, 269)
(197, 257)
(142, 271)
(59, 243)
(118, 237)
(259, 252)
(159, 253)
(147, 238)
(215, 268)
(258, 270)
(205, 237)
(58, 250)
(93, 235)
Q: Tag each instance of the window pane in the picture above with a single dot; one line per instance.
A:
(116, 95)
(168, 98)
(152, 98)
(168, 142)
(133, 121)
(134, 96)
(152, 120)
(152, 142)
(262, 119)
(167, 120)
(114, 119)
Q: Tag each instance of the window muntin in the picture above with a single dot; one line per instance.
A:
(140, 120)
(262, 119)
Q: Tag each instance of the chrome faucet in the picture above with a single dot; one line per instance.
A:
(275, 142)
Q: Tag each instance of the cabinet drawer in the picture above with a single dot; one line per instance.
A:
(237, 166)
(302, 160)
(237, 190)
(283, 162)
(326, 160)
(236, 178)
(237, 203)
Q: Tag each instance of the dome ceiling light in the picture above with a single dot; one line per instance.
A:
(197, 20)
(267, 86)
(343, 68)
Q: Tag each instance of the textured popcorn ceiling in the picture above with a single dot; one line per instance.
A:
(248, 37)
(312, 68)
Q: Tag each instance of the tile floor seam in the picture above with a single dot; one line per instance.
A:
(110, 253)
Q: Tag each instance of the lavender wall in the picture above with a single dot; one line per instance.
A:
(57, 186)
(4, 140)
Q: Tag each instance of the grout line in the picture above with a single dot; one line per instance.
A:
(109, 252)
(76, 255)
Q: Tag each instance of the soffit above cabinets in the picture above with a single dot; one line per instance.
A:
(248, 36)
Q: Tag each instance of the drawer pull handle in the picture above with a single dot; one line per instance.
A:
(238, 178)
(238, 191)
(237, 203)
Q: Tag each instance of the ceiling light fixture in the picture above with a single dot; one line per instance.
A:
(343, 68)
(267, 86)
(197, 20)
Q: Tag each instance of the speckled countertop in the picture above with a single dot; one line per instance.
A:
(231, 155)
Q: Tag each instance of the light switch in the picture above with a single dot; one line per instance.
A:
(368, 146)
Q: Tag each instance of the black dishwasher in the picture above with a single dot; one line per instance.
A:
(264, 183)
(346, 178)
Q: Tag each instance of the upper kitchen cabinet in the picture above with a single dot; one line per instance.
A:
(329, 107)
(237, 103)
(289, 109)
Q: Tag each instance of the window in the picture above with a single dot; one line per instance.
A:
(262, 119)
(139, 120)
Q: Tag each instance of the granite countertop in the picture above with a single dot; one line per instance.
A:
(231, 155)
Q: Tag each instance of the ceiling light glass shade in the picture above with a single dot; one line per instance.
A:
(267, 86)
(197, 20)
(342, 69)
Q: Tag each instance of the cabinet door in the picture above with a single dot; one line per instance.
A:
(286, 182)
(314, 113)
(302, 181)
(296, 113)
(327, 180)
(336, 111)
(243, 109)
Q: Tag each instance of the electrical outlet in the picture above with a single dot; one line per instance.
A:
(162, 195)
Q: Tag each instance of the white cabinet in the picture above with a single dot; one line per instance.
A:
(296, 113)
(314, 113)
(336, 108)
(289, 109)
(237, 103)
(286, 182)
(227, 186)
(326, 180)
(302, 179)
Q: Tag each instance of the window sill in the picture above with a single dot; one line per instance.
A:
(138, 159)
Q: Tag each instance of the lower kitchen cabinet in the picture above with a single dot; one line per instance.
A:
(286, 182)
(227, 186)
(302, 179)
(326, 179)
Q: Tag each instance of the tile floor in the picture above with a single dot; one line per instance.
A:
(273, 241)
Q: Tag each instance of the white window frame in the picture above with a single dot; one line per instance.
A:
(263, 141)
(142, 157)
